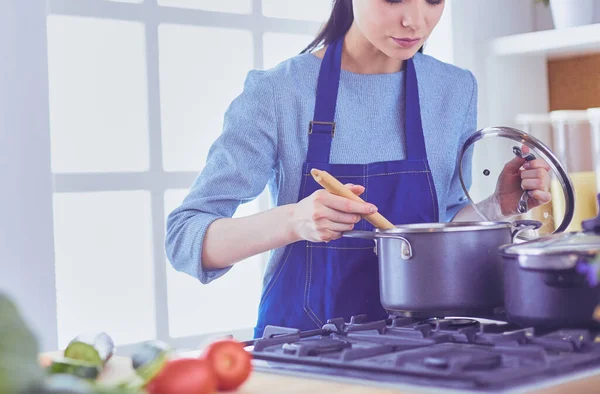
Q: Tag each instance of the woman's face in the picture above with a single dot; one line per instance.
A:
(397, 28)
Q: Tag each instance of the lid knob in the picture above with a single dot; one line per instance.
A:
(592, 224)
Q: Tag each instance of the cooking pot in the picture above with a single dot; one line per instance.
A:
(450, 269)
(442, 269)
(553, 282)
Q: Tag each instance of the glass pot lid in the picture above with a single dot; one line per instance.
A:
(490, 164)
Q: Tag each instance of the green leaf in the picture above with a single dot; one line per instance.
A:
(19, 368)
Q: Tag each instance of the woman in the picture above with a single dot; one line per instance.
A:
(374, 112)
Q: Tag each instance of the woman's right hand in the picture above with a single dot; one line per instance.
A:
(323, 216)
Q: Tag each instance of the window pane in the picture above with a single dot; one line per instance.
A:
(98, 95)
(312, 10)
(281, 46)
(233, 6)
(228, 303)
(202, 70)
(104, 265)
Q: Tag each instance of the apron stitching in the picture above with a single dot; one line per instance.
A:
(337, 248)
(382, 174)
(306, 284)
(308, 264)
(320, 323)
(366, 184)
(278, 273)
(307, 307)
(433, 201)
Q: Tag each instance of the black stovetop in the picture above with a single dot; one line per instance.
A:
(455, 353)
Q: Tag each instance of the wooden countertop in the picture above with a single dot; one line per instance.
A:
(119, 368)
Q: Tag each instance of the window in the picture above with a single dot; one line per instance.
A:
(138, 90)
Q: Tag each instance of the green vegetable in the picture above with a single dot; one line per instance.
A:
(149, 358)
(81, 369)
(19, 368)
(94, 348)
(20, 372)
(69, 384)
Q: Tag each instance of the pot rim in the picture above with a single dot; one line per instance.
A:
(444, 227)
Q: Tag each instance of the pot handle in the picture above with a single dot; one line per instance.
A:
(592, 224)
(406, 252)
(522, 225)
(360, 234)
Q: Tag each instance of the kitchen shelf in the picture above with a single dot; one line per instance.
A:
(578, 40)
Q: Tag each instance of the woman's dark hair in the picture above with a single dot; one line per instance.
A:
(337, 26)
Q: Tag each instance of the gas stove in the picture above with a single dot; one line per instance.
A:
(463, 354)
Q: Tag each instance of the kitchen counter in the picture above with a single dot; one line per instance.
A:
(119, 368)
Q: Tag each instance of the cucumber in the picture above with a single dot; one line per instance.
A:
(94, 348)
(149, 358)
(78, 368)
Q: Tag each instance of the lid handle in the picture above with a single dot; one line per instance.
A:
(592, 224)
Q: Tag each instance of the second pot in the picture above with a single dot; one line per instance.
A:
(442, 269)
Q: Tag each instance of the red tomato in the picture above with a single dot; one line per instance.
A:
(230, 362)
(184, 376)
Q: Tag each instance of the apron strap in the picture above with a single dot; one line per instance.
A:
(322, 128)
(413, 127)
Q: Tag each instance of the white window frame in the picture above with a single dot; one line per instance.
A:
(156, 180)
(34, 287)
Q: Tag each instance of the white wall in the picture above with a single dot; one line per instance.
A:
(543, 16)
(26, 244)
(441, 44)
(475, 23)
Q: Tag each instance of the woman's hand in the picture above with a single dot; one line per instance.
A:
(519, 175)
(323, 217)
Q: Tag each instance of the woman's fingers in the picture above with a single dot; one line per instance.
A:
(541, 196)
(336, 216)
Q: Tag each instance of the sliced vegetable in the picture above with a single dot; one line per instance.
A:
(231, 363)
(184, 376)
(149, 358)
(95, 348)
(78, 368)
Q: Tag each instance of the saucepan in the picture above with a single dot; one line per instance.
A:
(552, 282)
(436, 269)
(449, 269)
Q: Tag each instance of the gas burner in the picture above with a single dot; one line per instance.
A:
(450, 323)
(455, 351)
(466, 361)
(357, 324)
(315, 347)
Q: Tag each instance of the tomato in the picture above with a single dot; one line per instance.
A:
(184, 376)
(231, 363)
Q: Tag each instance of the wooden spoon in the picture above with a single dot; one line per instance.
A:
(334, 186)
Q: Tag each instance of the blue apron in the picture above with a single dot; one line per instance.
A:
(315, 282)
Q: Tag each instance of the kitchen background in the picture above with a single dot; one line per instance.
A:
(108, 108)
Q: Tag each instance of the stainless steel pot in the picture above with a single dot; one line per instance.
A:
(442, 269)
(553, 282)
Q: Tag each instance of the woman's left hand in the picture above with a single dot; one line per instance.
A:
(518, 176)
